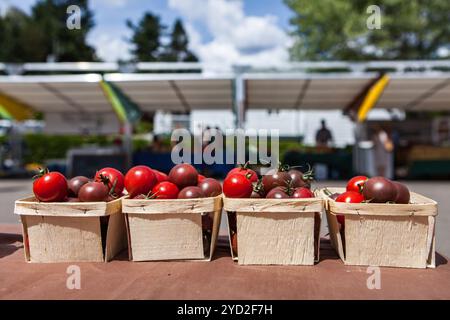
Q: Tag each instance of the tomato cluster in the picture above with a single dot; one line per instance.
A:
(182, 182)
(279, 183)
(374, 190)
(106, 185)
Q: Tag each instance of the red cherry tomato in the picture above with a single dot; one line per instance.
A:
(302, 192)
(356, 183)
(160, 176)
(348, 197)
(140, 180)
(165, 190)
(200, 178)
(112, 177)
(237, 186)
(50, 187)
(245, 172)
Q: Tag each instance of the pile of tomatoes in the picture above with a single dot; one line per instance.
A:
(182, 182)
(280, 183)
(361, 189)
(106, 185)
(140, 182)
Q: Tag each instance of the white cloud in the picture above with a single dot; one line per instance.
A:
(109, 46)
(236, 38)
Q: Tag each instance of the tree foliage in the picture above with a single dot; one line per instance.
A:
(44, 34)
(337, 29)
(147, 40)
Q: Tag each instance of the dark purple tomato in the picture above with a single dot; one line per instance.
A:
(275, 178)
(302, 192)
(75, 184)
(277, 193)
(183, 175)
(93, 192)
(403, 194)
(256, 195)
(210, 187)
(379, 190)
(191, 193)
(297, 179)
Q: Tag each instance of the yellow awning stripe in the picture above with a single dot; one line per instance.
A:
(16, 109)
(372, 97)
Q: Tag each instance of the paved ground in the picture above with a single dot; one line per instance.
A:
(10, 190)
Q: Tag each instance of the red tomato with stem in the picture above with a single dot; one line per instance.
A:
(243, 170)
(50, 186)
(140, 180)
(165, 190)
(237, 186)
(356, 183)
(111, 177)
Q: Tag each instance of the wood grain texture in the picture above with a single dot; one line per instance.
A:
(170, 229)
(273, 205)
(155, 206)
(390, 242)
(165, 236)
(391, 235)
(116, 236)
(419, 206)
(281, 238)
(63, 239)
(30, 207)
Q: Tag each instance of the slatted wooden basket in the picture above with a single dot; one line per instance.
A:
(275, 231)
(171, 229)
(379, 234)
(71, 231)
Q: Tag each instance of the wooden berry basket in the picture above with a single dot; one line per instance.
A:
(379, 234)
(71, 231)
(276, 231)
(170, 229)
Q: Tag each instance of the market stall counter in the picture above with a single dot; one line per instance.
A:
(219, 279)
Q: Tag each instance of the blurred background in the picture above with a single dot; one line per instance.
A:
(354, 87)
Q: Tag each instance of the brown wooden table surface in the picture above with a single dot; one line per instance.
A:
(220, 279)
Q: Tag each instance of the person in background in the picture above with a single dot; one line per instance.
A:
(323, 135)
(383, 148)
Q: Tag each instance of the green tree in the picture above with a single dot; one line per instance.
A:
(177, 50)
(337, 29)
(146, 38)
(64, 44)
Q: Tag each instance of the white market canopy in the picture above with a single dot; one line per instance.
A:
(176, 92)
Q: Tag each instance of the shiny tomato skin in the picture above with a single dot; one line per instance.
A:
(51, 187)
(140, 180)
(350, 197)
(244, 171)
(210, 187)
(93, 192)
(165, 190)
(200, 178)
(191, 192)
(302, 192)
(161, 176)
(356, 183)
(183, 175)
(113, 176)
(237, 186)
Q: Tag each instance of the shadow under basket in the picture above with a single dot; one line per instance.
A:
(172, 229)
(71, 231)
(275, 231)
(381, 234)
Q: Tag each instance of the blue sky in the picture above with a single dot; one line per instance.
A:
(221, 31)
